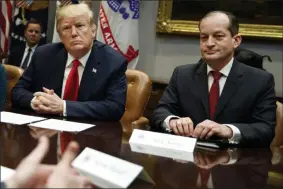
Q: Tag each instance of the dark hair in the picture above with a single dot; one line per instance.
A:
(233, 26)
(33, 21)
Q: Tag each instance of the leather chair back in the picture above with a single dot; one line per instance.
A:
(138, 94)
(278, 139)
(13, 74)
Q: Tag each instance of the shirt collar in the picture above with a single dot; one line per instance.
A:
(82, 60)
(225, 70)
(32, 49)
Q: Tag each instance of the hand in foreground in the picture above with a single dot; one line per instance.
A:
(64, 176)
(30, 173)
(182, 126)
(207, 128)
(48, 102)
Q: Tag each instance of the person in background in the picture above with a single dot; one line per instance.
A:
(30, 173)
(219, 96)
(2, 87)
(21, 55)
(78, 77)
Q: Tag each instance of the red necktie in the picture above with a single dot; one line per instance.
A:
(204, 176)
(70, 93)
(214, 93)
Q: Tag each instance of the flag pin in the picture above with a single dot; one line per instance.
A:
(94, 70)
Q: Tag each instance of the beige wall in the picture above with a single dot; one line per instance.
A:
(160, 54)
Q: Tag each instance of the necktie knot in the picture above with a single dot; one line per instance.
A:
(76, 63)
(216, 75)
(29, 49)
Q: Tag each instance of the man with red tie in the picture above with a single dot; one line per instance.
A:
(79, 77)
(219, 96)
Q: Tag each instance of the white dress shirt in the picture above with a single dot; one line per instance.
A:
(68, 68)
(225, 72)
(26, 53)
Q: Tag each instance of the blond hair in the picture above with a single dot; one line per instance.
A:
(73, 10)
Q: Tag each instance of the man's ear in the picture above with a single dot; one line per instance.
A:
(237, 39)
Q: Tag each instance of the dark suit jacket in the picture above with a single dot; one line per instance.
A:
(16, 55)
(247, 101)
(2, 87)
(102, 94)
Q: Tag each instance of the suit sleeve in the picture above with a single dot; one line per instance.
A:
(21, 93)
(112, 107)
(2, 87)
(260, 132)
(168, 104)
(11, 59)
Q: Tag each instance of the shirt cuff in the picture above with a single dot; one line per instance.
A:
(165, 124)
(233, 154)
(235, 139)
(64, 109)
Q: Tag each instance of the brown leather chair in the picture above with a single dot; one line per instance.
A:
(278, 139)
(13, 74)
(138, 94)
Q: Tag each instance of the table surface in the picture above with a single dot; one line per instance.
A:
(253, 168)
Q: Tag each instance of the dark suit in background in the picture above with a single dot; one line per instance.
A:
(16, 55)
(247, 101)
(103, 87)
(2, 87)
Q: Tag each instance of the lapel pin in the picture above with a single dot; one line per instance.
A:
(94, 70)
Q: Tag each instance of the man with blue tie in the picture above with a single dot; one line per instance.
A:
(79, 77)
(219, 96)
(21, 55)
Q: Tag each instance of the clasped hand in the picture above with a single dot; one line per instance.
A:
(47, 102)
(207, 160)
(204, 130)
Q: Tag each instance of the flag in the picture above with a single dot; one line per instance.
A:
(24, 11)
(6, 16)
(60, 3)
(118, 26)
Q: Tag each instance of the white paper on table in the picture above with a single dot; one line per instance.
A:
(61, 125)
(6, 173)
(18, 119)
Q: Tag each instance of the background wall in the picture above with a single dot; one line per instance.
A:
(160, 54)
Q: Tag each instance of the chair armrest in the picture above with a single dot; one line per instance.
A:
(141, 123)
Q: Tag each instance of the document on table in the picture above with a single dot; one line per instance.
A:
(61, 125)
(6, 173)
(18, 119)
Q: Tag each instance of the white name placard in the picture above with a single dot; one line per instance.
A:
(165, 145)
(164, 152)
(107, 171)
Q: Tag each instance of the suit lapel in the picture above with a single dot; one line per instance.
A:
(58, 68)
(200, 88)
(231, 86)
(89, 74)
